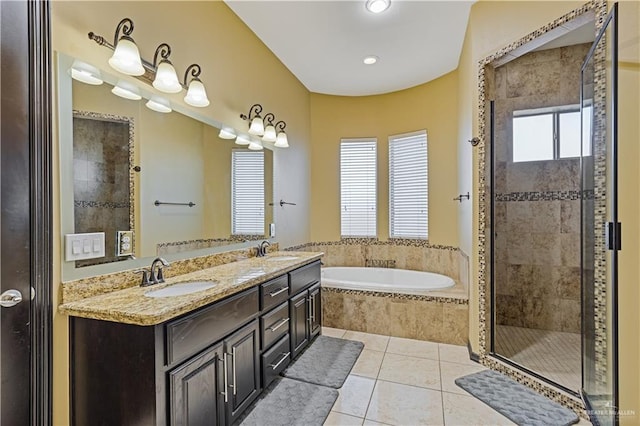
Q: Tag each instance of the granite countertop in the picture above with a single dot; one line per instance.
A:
(131, 306)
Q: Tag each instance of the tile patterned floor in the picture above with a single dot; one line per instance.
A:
(408, 382)
(553, 354)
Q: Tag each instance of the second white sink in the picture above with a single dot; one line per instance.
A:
(182, 289)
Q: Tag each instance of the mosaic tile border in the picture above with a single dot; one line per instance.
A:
(399, 296)
(102, 204)
(539, 196)
(231, 239)
(600, 9)
(375, 242)
(131, 123)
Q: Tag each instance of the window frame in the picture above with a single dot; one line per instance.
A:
(234, 151)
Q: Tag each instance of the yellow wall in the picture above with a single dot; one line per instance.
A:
(492, 26)
(237, 70)
(431, 106)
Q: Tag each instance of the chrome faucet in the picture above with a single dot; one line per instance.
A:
(261, 250)
(156, 275)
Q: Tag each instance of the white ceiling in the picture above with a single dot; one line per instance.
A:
(323, 43)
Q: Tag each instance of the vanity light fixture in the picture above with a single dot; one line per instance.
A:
(255, 145)
(243, 140)
(166, 79)
(158, 104)
(126, 59)
(377, 6)
(281, 139)
(126, 90)
(256, 127)
(196, 93)
(269, 130)
(85, 73)
(227, 133)
(126, 56)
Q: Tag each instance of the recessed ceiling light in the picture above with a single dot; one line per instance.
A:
(377, 6)
(370, 60)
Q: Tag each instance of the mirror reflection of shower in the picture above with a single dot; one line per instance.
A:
(536, 154)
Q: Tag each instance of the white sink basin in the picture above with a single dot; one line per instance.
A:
(182, 289)
(282, 258)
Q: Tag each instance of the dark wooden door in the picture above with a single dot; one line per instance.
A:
(315, 319)
(299, 313)
(196, 388)
(243, 369)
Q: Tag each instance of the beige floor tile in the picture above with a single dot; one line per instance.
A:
(398, 404)
(450, 371)
(374, 342)
(410, 370)
(372, 423)
(333, 332)
(460, 410)
(368, 364)
(339, 419)
(354, 396)
(410, 347)
(454, 353)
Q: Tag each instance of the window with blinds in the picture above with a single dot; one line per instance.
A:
(358, 187)
(247, 192)
(408, 186)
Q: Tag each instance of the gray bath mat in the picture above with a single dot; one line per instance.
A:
(290, 402)
(515, 401)
(327, 361)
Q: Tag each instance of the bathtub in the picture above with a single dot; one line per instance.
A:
(385, 280)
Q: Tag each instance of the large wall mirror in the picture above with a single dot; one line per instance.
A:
(167, 177)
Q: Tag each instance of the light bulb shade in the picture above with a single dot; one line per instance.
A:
(166, 79)
(281, 140)
(257, 126)
(227, 133)
(243, 140)
(196, 94)
(126, 57)
(255, 145)
(377, 6)
(85, 73)
(126, 90)
(269, 134)
(158, 104)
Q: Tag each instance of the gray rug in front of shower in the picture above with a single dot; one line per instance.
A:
(327, 362)
(515, 401)
(290, 402)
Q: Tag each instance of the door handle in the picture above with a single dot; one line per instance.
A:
(10, 298)
(233, 367)
(226, 383)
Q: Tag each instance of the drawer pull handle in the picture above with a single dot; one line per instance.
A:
(277, 364)
(280, 324)
(275, 293)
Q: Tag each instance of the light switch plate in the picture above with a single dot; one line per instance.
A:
(124, 243)
(83, 246)
(272, 230)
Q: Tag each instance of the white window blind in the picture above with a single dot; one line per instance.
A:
(247, 192)
(358, 187)
(408, 186)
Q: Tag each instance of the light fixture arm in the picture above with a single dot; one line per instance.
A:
(195, 70)
(126, 25)
(280, 125)
(268, 118)
(164, 50)
(256, 109)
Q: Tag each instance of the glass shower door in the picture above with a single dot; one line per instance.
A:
(600, 228)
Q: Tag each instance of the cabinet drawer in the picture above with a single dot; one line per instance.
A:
(303, 277)
(186, 336)
(274, 292)
(274, 325)
(275, 360)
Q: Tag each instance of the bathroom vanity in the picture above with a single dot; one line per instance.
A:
(136, 362)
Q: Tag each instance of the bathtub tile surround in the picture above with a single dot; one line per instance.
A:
(599, 7)
(83, 288)
(172, 247)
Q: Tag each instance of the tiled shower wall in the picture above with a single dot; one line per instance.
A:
(537, 204)
(101, 181)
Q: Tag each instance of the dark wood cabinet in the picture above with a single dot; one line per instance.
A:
(203, 368)
(242, 350)
(196, 390)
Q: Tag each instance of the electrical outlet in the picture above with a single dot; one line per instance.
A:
(124, 246)
(84, 246)
(272, 230)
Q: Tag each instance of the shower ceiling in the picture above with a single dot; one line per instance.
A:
(323, 43)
